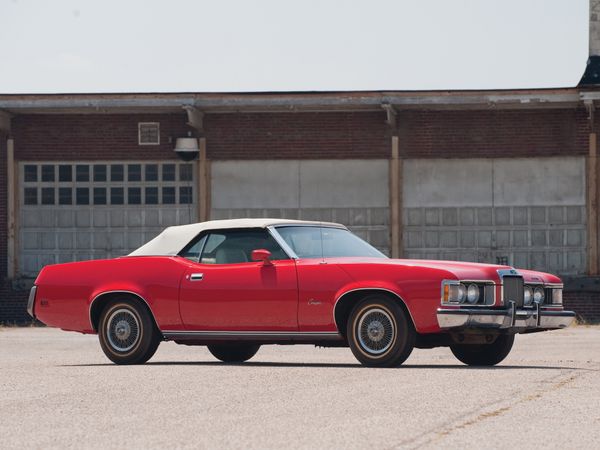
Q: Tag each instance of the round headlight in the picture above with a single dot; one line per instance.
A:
(527, 295)
(462, 293)
(472, 294)
(538, 295)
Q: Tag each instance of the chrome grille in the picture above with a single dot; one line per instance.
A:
(513, 290)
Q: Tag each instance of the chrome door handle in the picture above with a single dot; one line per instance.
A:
(196, 277)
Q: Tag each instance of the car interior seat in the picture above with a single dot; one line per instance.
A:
(230, 255)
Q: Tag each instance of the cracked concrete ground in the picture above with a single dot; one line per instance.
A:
(58, 390)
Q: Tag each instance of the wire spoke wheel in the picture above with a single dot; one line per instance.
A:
(376, 331)
(127, 331)
(379, 332)
(122, 330)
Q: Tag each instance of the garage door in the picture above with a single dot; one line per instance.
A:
(352, 192)
(73, 211)
(526, 212)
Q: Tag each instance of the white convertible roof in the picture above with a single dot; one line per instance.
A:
(173, 239)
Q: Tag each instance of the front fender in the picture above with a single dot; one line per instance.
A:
(419, 290)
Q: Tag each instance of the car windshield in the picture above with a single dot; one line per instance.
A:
(326, 242)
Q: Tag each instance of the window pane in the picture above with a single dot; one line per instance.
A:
(193, 253)
(30, 197)
(134, 195)
(168, 172)
(82, 196)
(65, 173)
(168, 195)
(236, 247)
(151, 172)
(116, 172)
(152, 195)
(82, 173)
(134, 172)
(317, 242)
(99, 196)
(185, 195)
(116, 196)
(47, 196)
(100, 172)
(65, 196)
(47, 174)
(185, 172)
(30, 172)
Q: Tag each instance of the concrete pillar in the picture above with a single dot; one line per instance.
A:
(395, 200)
(11, 189)
(203, 183)
(592, 205)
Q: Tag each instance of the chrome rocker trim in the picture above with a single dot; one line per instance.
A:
(511, 318)
(262, 336)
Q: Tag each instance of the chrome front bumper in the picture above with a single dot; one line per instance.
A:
(535, 318)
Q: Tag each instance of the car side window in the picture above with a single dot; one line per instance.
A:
(236, 246)
(193, 252)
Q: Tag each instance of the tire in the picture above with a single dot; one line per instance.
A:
(379, 332)
(233, 353)
(484, 354)
(127, 333)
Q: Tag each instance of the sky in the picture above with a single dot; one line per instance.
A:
(94, 46)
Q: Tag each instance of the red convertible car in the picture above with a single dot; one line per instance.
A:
(234, 285)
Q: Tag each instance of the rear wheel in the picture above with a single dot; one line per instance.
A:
(127, 333)
(233, 353)
(379, 332)
(484, 354)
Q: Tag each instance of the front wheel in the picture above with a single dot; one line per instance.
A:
(127, 333)
(484, 354)
(233, 353)
(379, 332)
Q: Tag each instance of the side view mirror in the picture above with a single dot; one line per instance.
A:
(263, 255)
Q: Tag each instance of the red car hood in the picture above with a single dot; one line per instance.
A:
(461, 270)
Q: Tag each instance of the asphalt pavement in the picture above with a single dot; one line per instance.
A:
(59, 390)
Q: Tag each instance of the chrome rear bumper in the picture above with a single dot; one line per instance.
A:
(536, 318)
(31, 301)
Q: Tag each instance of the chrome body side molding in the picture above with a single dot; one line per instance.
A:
(261, 336)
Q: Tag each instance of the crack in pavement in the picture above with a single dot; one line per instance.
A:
(474, 417)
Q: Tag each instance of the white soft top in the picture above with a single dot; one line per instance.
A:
(173, 239)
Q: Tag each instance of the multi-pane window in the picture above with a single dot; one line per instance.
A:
(101, 184)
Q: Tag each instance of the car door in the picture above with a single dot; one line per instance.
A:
(319, 280)
(223, 290)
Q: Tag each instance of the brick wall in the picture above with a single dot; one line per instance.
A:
(452, 134)
(498, 134)
(57, 137)
(297, 135)
(585, 304)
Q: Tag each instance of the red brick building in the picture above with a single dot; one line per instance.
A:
(490, 176)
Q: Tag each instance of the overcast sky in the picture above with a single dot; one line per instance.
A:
(289, 45)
